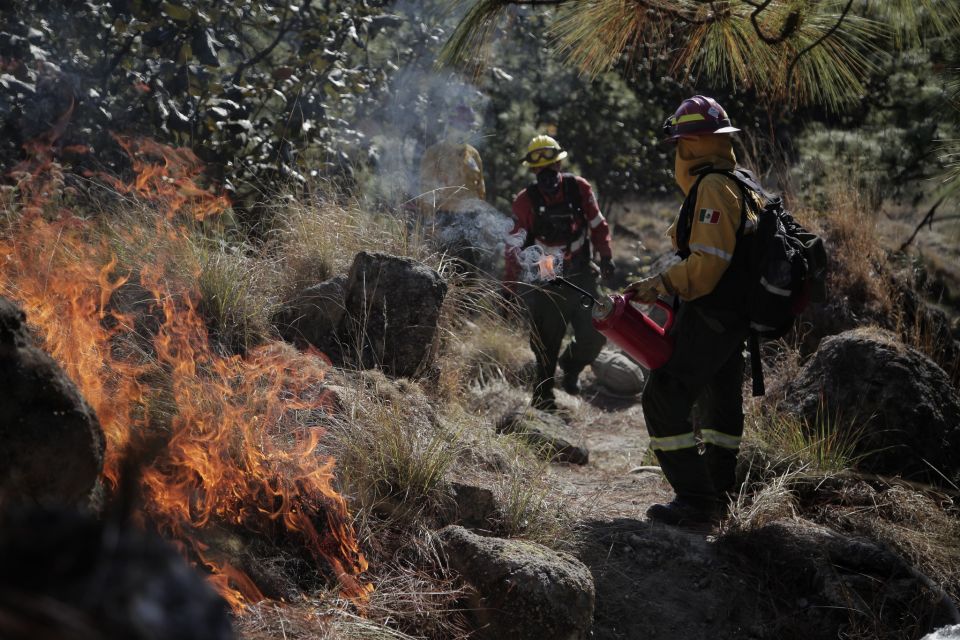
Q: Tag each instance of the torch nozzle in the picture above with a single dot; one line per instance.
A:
(588, 298)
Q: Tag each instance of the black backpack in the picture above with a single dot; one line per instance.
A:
(786, 265)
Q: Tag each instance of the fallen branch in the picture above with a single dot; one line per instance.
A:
(927, 220)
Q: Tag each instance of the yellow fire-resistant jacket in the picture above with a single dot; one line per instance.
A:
(451, 173)
(716, 216)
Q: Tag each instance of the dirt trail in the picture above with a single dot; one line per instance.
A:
(652, 581)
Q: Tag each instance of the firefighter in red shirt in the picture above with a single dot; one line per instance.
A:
(559, 214)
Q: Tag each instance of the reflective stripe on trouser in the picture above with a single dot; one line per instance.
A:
(706, 369)
(551, 309)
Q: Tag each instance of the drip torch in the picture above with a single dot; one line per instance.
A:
(629, 328)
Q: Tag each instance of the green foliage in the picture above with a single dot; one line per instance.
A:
(246, 84)
(892, 144)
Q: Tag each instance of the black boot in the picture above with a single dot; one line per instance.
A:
(685, 512)
(543, 397)
(571, 382)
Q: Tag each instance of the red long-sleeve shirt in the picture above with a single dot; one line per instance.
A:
(523, 219)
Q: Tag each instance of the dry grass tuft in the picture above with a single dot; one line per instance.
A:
(492, 350)
(920, 523)
(768, 500)
(858, 272)
(393, 453)
(317, 239)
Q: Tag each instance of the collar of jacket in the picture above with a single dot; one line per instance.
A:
(693, 156)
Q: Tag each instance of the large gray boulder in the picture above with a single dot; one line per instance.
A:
(839, 582)
(51, 445)
(897, 403)
(787, 579)
(392, 308)
(520, 590)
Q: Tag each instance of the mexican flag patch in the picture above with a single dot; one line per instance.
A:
(710, 216)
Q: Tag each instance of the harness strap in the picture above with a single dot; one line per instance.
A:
(745, 183)
(756, 364)
(571, 194)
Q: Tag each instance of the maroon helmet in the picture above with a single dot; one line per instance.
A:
(697, 116)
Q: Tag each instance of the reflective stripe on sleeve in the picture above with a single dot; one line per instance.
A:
(713, 251)
(720, 439)
(774, 289)
(674, 443)
(596, 221)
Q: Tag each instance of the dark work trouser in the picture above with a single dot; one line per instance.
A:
(706, 369)
(551, 308)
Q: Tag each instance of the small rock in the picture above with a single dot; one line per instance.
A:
(545, 432)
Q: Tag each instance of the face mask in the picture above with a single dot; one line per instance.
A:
(549, 180)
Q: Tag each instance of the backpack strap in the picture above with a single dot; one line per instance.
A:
(690, 201)
(571, 194)
(536, 203)
(746, 183)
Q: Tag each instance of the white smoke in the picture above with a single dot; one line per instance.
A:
(662, 263)
(533, 256)
(477, 225)
(414, 116)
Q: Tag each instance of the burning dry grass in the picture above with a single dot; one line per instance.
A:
(227, 441)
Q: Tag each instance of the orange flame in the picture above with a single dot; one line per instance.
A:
(545, 266)
(239, 447)
(167, 177)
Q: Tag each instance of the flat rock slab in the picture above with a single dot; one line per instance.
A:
(547, 433)
(789, 579)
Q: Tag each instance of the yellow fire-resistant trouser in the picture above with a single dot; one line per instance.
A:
(706, 369)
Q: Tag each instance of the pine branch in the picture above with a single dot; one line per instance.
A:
(816, 43)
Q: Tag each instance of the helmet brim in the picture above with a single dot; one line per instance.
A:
(694, 136)
(544, 163)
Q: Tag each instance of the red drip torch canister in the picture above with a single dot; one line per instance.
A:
(633, 331)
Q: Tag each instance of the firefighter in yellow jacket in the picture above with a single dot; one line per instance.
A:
(711, 236)
(451, 171)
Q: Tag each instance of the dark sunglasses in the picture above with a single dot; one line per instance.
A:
(547, 153)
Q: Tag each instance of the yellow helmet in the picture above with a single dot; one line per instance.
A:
(543, 150)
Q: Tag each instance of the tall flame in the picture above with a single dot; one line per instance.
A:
(232, 442)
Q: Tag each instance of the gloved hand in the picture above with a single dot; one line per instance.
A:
(648, 289)
(607, 268)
